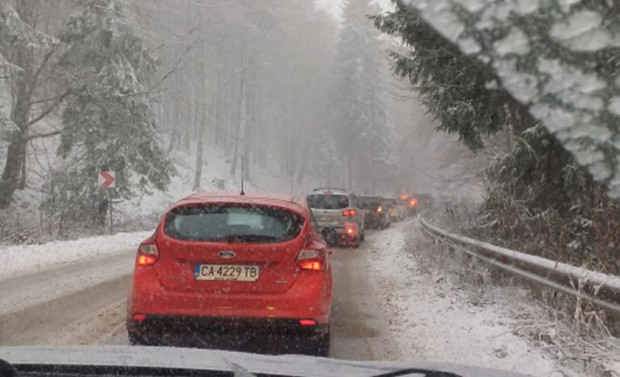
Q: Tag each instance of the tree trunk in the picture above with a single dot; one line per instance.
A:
(199, 150)
(12, 170)
(249, 124)
(349, 173)
(239, 137)
(102, 211)
(174, 137)
(16, 152)
(22, 179)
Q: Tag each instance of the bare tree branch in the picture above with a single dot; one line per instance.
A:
(51, 108)
(35, 76)
(44, 135)
(42, 100)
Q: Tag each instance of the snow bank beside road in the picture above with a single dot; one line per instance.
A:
(432, 320)
(26, 259)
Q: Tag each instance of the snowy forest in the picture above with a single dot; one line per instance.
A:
(179, 96)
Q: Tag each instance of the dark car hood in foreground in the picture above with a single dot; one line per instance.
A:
(162, 357)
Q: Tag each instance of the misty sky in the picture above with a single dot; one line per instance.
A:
(334, 5)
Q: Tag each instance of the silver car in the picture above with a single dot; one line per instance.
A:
(337, 216)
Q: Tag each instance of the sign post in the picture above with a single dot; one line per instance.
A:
(107, 180)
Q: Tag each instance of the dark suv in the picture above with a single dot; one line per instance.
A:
(376, 211)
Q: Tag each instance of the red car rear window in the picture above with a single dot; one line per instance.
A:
(233, 223)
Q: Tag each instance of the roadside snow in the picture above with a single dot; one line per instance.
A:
(25, 259)
(432, 319)
(142, 211)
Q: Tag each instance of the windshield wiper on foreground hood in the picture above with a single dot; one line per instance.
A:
(417, 372)
(8, 370)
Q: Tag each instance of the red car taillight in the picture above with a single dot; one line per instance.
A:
(349, 212)
(147, 255)
(307, 322)
(351, 228)
(379, 209)
(312, 260)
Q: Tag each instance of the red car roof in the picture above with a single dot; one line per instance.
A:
(290, 202)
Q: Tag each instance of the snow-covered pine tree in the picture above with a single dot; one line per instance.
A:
(360, 119)
(479, 69)
(107, 122)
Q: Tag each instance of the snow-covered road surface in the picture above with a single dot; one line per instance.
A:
(83, 317)
(31, 259)
(26, 291)
(359, 327)
(386, 307)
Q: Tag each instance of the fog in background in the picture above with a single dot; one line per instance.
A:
(261, 80)
(300, 89)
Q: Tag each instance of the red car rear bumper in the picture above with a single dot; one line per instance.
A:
(308, 298)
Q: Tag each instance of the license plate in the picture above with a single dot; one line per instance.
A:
(232, 272)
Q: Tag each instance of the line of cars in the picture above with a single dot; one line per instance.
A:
(342, 217)
(247, 269)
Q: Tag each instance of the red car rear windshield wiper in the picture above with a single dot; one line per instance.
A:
(249, 238)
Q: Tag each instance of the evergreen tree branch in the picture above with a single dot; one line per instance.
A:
(176, 65)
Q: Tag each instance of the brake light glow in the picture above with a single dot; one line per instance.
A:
(147, 255)
(380, 209)
(311, 260)
(307, 322)
(146, 260)
(413, 203)
(351, 228)
(139, 317)
(311, 265)
(349, 212)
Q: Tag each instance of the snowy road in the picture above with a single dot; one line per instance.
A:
(95, 315)
(359, 326)
(385, 308)
(76, 305)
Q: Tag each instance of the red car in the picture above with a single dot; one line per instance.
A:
(230, 264)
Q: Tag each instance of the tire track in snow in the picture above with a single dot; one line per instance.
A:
(22, 292)
(60, 319)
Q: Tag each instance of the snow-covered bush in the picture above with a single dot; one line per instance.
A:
(542, 202)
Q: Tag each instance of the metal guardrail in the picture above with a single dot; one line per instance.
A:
(596, 287)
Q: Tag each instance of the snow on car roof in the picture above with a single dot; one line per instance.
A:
(290, 202)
